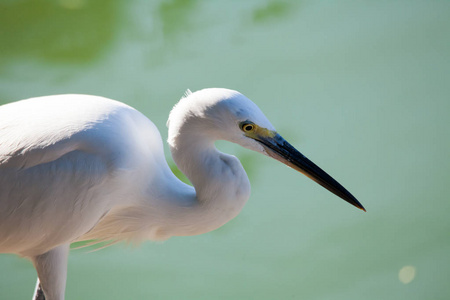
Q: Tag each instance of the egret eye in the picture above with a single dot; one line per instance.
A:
(247, 126)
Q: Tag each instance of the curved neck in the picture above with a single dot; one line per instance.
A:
(217, 177)
(221, 184)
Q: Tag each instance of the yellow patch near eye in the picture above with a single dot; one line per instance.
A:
(254, 131)
(264, 132)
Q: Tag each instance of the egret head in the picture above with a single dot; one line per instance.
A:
(222, 114)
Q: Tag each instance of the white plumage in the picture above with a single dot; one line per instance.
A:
(77, 167)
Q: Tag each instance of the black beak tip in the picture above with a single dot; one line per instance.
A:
(362, 208)
(355, 203)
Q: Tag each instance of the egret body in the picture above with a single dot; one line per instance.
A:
(79, 167)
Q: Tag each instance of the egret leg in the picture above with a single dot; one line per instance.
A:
(38, 292)
(52, 272)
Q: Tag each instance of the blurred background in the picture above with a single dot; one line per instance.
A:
(361, 88)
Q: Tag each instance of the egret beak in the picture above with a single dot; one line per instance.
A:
(277, 147)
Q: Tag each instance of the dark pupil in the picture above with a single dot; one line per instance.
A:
(248, 127)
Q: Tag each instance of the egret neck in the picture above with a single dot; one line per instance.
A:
(221, 184)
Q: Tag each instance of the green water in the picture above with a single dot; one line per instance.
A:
(361, 88)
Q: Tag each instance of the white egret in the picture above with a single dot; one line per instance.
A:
(79, 167)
